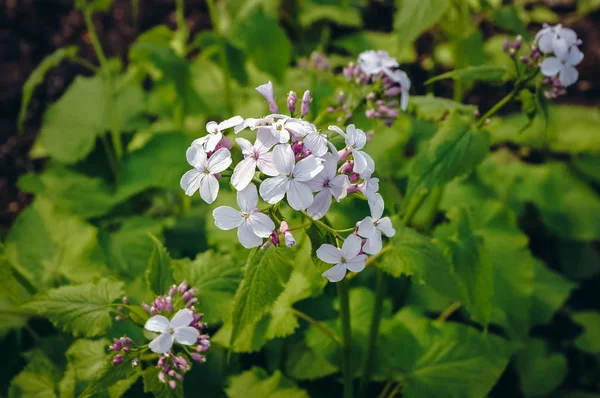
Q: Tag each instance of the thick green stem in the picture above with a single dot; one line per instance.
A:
(318, 325)
(343, 293)
(180, 13)
(214, 18)
(380, 290)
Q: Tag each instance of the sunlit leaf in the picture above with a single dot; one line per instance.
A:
(256, 383)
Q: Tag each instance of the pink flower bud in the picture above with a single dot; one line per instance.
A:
(370, 113)
(393, 91)
(119, 318)
(224, 143)
(198, 358)
(146, 307)
(291, 101)
(353, 188)
(183, 286)
(505, 45)
(172, 384)
(353, 177)
(135, 362)
(290, 241)
(284, 227)
(117, 359)
(125, 300)
(341, 97)
(346, 168)
(191, 302)
(162, 377)
(305, 103)
(266, 90)
(274, 238)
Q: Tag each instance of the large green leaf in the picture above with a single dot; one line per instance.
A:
(588, 340)
(540, 372)
(312, 12)
(456, 148)
(256, 383)
(46, 245)
(160, 390)
(39, 379)
(110, 377)
(484, 73)
(83, 310)
(159, 276)
(433, 108)
(414, 17)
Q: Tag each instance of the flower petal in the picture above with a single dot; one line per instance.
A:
(376, 205)
(266, 136)
(357, 264)
(212, 127)
(320, 205)
(190, 181)
(366, 228)
(231, 122)
(299, 195)
(247, 147)
(272, 190)
(550, 66)
(316, 143)
(212, 140)
(568, 75)
(385, 226)
(307, 168)
(335, 273)
(337, 130)
(261, 224)
(162, 343)
(545, 41)
(182, 318)
(243, 173)
(575, 56)
(266, 165)
(219, 161)
(329, 254)
(247, 237)
(196, 156)
(351, 247)
(209, 188)
(247, 198)
(373, 244)
(360, 162)
(157, 323)
(227, 218)
(339, 187)
(283, 158)
(186, 335)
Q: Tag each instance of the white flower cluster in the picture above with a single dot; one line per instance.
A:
(291, 161)
(563, 44)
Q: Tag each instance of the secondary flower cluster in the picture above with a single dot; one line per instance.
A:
(291, 162)
(381, 72)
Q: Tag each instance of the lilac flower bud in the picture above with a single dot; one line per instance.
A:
(348, 115)
(162, 377)
(284, 227)
(125, 300)
(393, 113)
(223, 143)
(353, 188)
(339, 119)
(518, 42)
(524, 59)
(291, 101)
(393, 91)
(353, 177)
(370, 113)
(505, 45)
(135, 362)
(197, 317)
(305, 103)
(298, 147)
(346, 167)
(341, 97)
(266, 90)
(191, 302)
(289, 239)
(274, 237)
(120, 308)
(198, 358)
(348, 72)
(126, 340)
(370, 96)
(512, 52)
(161, 362)
(266, 245)
(172, 384)
(187, 295)
(183, 286)
(117, 359)
(330, 109)
(146, 307)
(126, 350)
(119, 318)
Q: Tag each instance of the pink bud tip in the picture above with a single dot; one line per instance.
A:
(305, 103)
(291, 101)
(125, 300)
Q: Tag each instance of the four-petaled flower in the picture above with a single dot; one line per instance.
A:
(177, 329)
(402, 78)
(372, 227)
(328, 186)
(556, 39)
(374, 62)
(252, 225)
(257, 155)
(346, 258)
(202, 176)
(563, 65)
(355, 141)
(291, 179)
(215, 132)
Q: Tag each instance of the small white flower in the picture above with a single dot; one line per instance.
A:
(202, 176)
(555, 39)
(372, 227)
(328, 186)
(402, 78)
(355, 141)
(346, 258)
(252, 225)
(256, 155)
(369, 187)
(314, 141)
(373, 62)
(564, 66)
(215, 132)
(177, 329)
(291, 179)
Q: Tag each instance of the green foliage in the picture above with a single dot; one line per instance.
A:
(112, 377)
(313, 12)
(588, 340)
(83, 310)
(413, 18)
(433, 108)
(485, 73)
(256, 383)
(540, 372)
(159, 276)
(160, 390)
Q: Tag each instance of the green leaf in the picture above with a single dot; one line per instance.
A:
(39, 379)
(111, 377)
(46, 245)
(485, 73)
(508, 18)
(96, 5)
(160, 390)
(318, 236)
(215, 277)
(578, 260)
(83, 310)
(159, 276)
(356, 43)
(312, 13)
(413, 18)
(447, 360)
(587, 6)
(37, 77)
(236, 58)
(256, 383)
(253, 32)
(454, 150)
(265, 277)
(87, 357)
(588, 340)
(433, 108)
(540, 372)
(302, 363)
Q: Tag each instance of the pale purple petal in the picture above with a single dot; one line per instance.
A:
(212, 127)
(376, 205)
(190, 181)
(351, 247)
(320, 205)
(212, 140)
(182, 318)
(267, 136)
(272, 190)
(261, 224)
(247, 198)
(335, 273)
(339, 186)
(219, 161)
(568, 75)
(356, 264)
(337, 130)
(266, 165)
(366, 228)
(307, 168)
(385, 226)
(568, 35)
(243, 173)
(247, 147)
(157, 323)
(247, 237)
(186, 335)
(317, 184)
(551, 66)
(209, 188)
(283, 158)
(574, 57)
(329, 165)
(266, 90)
(545, 42)
(231, 122)
(227, 218)
(360, 161)
(299, 195)
(316, 143)
(329, 254)
(162, 343)
(373, 244)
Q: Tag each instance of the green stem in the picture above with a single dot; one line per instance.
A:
(180, 13)
(412, 208)
(343, 293)
(318, 325)
(214, 18)
(380, 290)
(324, 226)
(110, 156)
(22, 279)
(85, 63)
(87, 16)
(452, 308)
(386, 389)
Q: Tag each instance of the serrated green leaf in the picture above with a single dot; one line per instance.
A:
(256, 383)
(484, 73)
(83, 310)
(413, 18)
(215, 277)
(588, 340)
(159, 276)
(37, 77)
(111, 376)
(265, 277)
(541, 372)
(454, 150)
(433, 108)
(87, 357)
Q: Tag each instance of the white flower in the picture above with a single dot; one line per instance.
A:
(402, 78)
(215, 132)
(328, 186)
(564, 66)
(256, 155)
(314, 141)
(291, 179)
(252, 225)
(355, 141)
(369, 187)
(346, 258)
(177, 329)
(202, 175)
(373, 62)
(555, 39)
(372, 227)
